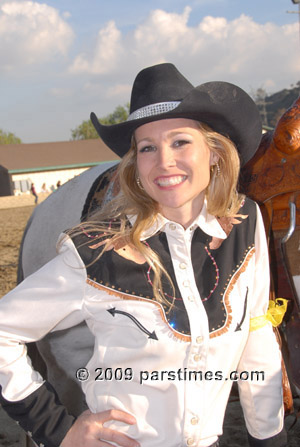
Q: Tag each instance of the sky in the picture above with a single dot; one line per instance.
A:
(62, 59)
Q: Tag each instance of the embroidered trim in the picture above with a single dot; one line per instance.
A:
(230, 285)
(239, 325)
(125, 296)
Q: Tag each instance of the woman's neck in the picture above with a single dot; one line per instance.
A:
(185, 214)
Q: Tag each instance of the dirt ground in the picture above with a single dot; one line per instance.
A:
(12, 224)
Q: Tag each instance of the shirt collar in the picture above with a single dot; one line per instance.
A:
(207, 222)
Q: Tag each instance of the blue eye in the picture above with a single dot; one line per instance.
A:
(180, 143)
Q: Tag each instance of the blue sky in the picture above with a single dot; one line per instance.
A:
(62, 59)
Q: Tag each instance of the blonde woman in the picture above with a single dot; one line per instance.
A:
(169, 276)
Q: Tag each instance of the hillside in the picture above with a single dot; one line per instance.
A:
(274, 105)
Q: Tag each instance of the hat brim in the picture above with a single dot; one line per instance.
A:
(226, 108)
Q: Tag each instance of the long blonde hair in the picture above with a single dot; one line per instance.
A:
(221, 194)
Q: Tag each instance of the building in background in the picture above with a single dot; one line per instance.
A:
(46, 164)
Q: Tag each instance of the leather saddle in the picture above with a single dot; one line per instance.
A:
(272, 179)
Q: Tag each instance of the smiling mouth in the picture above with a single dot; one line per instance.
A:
(170, 181)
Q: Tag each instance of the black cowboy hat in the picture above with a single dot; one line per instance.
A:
(162, 92)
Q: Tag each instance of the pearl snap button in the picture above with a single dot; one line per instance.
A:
(186, 283)
(197, 357)
(182, 265)
(199, 339)
(190, 441)
(173, 226)
(194, 420)
(190, 298)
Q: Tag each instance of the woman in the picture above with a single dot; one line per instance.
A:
(44, 188)
(171, 277)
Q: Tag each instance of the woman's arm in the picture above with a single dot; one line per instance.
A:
(50, 299)
(261, 397)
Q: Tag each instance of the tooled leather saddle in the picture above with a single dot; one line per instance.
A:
(272, 178)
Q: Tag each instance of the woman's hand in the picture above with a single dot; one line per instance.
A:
(88, 430)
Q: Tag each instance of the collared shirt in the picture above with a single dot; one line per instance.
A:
(172, 370)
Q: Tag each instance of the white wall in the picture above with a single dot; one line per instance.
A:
(48, 177)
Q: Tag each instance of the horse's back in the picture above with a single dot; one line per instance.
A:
(60, 211)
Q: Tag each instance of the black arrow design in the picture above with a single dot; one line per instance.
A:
(239, 325)
(114, 311)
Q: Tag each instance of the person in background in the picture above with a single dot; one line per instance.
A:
(44, 188)
(172, 278)
(33, 192)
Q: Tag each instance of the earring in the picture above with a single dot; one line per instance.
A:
(138, 182)
(218, 169)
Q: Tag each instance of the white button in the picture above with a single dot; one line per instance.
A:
(186, 283)
(190, 298)
(182, 265)
(197, 357)
(190, 441)
(194, 420)
(173, 226)
(199, 339)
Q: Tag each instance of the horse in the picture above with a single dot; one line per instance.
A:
(60, 354)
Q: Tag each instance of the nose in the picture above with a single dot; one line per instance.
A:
(166, 156)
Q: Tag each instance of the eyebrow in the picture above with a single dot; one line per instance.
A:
(171, 134)
(176, 132)
(146, 140)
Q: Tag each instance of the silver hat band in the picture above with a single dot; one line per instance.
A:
(153, 109)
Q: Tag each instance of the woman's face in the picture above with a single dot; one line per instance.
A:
(173, 163)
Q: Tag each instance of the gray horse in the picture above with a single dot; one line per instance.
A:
(60, 354)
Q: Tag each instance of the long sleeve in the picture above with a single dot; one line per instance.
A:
(50, 299)
(261, 397)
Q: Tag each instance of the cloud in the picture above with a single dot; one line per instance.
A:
(66, 14)
(123, 90)
(106, 55)
(102, 90)
(239, 50)
(31, 33)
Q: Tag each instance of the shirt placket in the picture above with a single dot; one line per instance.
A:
(180, 249)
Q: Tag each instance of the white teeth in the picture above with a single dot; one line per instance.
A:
(170, 181)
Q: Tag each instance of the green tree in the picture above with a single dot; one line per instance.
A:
(8, 138)
(86, 130)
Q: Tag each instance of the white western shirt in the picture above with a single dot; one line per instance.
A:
(177, 381)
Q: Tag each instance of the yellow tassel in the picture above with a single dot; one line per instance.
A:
(275, 314)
